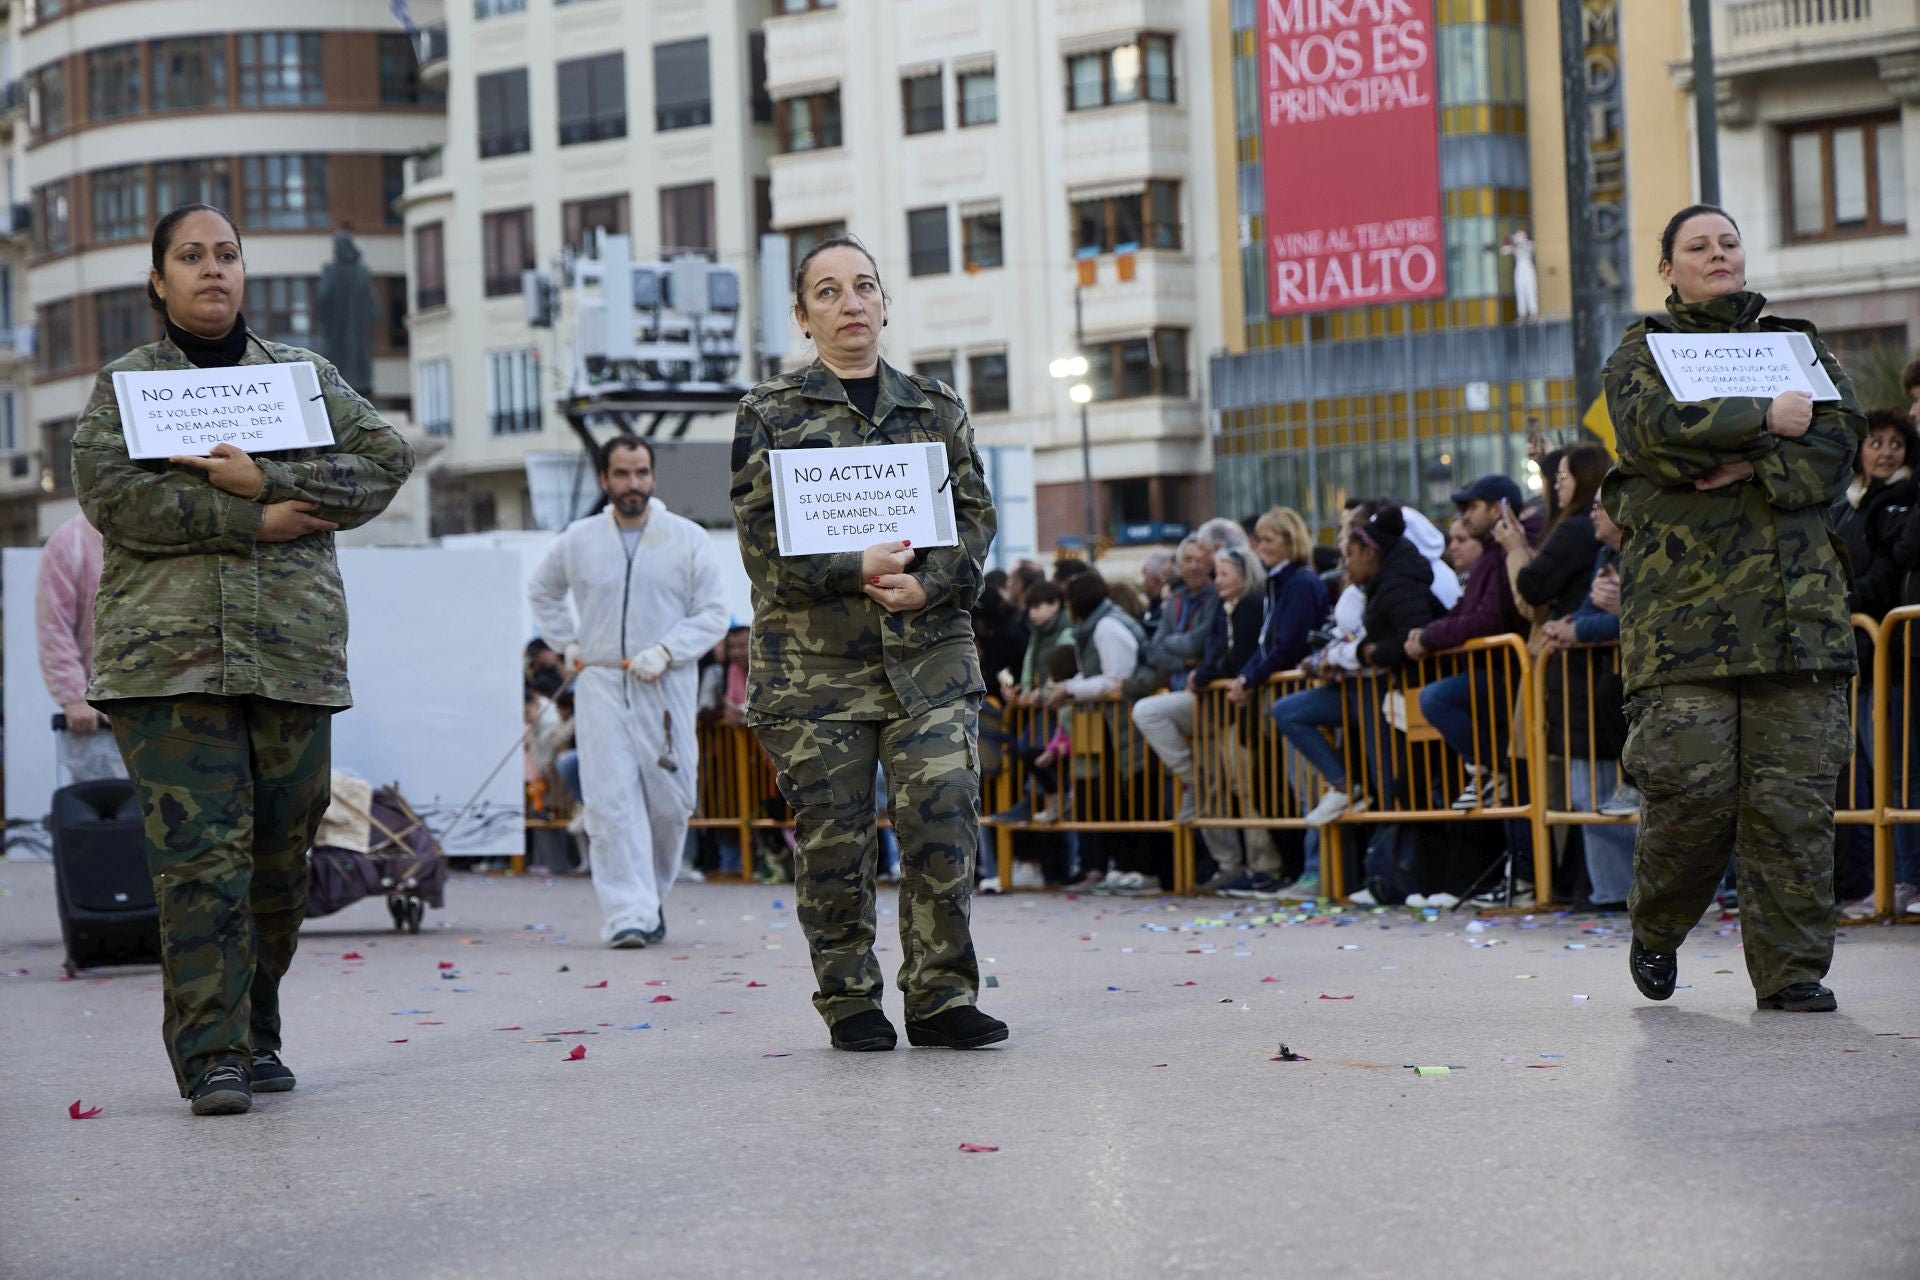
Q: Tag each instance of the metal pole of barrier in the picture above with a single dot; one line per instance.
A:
(1882, 828)
(1537, 789)
(741, 745)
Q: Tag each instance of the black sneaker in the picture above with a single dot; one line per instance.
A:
(658, 934)
(961, 1027)
(1654, 972)
(270, 1075)
(223, 1091)
(1801, 997)
(628, 940)
(865, 1032)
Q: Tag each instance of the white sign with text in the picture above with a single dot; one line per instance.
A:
(829, 500)
(1714, 366)
(258, 408)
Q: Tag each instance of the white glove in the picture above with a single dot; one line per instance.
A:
(570, 658)
(649, 664)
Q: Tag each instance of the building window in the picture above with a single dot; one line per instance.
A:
(686, 220)
(980, 239)
(393, 183)
(50, 90)
(513, 391)
(1125, 73)
(9, 421)
(1845, 178)
(433, 403)
(503, 113)
(56, 455)
(682, 94)
(987, 382)
(429, 267)
(400, 75)
(508, 244)
(805, 6)
(937, 367)
(191, 74)
(285, 193)
(1142, 215)
(178, 182)
(119, 205)
(928, 253)
(581, 218)
(800, 240)
(809, 123)
(283, 308)
(922, 102)
(122, 321)
(1128, 368)
(593, 98)
(113, 83)
(497, 8)
(52, 218)
(762, 105)
(979, 97)
(55, 336)
(280, 69)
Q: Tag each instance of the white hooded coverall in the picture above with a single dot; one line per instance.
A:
(668, 592)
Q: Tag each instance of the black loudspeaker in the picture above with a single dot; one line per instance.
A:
(107, 912)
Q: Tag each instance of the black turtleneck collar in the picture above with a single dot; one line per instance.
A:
(212, 353)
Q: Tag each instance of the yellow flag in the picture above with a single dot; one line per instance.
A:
(1600, 422)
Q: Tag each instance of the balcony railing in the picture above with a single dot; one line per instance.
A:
(426, 166)
(1750, 18)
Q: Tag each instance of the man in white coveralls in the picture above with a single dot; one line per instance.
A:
(647, 587)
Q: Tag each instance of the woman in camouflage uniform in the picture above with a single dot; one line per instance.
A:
(220, 655)
(867, 659)
(1735, 644)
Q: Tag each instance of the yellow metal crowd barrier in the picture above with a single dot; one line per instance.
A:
(1534, 732)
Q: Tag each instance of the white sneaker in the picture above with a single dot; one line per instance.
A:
(1859, 909)
(1623, 803)
(1416, 900)
(1442, 901)
(1362, 898)
(1904, 896)
(1483, 791)
(1026, 875)
(1133, 883)
(1331, 806)
(690, 872)
(1522, 896)
(990, 885)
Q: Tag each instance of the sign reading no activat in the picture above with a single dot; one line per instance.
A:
(830, 500)
(257, 408)
(1715, 366)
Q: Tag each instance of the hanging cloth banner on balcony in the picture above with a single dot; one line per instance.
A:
(1350, 140)
(1714, 366)
(829, 500)
(257, 408)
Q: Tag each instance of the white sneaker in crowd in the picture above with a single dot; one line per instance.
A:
(1026, 875)
(1497, 897)
(1134, 884)
(1331, 806)
(1904, 896)
(1416, 900)
(1859, 908)
(1442, 901)
(1625, 802)
(1362, 898)
(990, 885)
(690, 872)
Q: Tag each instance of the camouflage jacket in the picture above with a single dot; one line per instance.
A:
(189, 602)
(822, 650)
(1743, 580)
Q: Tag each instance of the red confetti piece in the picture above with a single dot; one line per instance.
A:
(1159, 1064)
(79, 1114)
(595, 986)
(974, 1146)
(756, 984)
(679, 957)
(1269, 979)
(396, 1042)
(509, 1028)
(656, 982)
(1186, 984)
(353, 955)
(576, 1053)
(661, 1000)
(446, 964)
(1325, 996)
(725, 1012)
(1086, 937)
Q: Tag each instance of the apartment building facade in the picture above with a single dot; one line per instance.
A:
(565, 117)
(1035, 180)
(1819, 140)
(297, 118)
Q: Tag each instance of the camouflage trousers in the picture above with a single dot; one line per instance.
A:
(1743, 768)
(232, 790)
(826, 773)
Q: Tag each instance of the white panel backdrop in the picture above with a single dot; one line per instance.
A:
(434, 656)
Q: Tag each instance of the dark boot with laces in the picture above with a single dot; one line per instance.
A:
(1654, 972)
(270, 1075)
(223, 1091)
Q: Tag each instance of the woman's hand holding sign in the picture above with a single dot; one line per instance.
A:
(1789, 414)
(230, 470)
(286, 521)
(887, 585)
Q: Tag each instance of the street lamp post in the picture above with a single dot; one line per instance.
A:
(1075, 366)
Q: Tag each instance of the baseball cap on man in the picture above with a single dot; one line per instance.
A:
(1490, 489)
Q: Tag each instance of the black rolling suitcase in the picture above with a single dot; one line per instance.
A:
(107, 912)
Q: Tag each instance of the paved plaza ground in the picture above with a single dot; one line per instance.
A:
(1143, 1126)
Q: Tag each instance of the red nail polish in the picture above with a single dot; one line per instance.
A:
(874, 581)
(905, 543)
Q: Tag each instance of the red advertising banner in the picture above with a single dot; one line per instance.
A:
(1350, 133)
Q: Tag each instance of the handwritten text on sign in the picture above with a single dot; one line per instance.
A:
(258, 408)
(1714, 366)
(829, 500)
